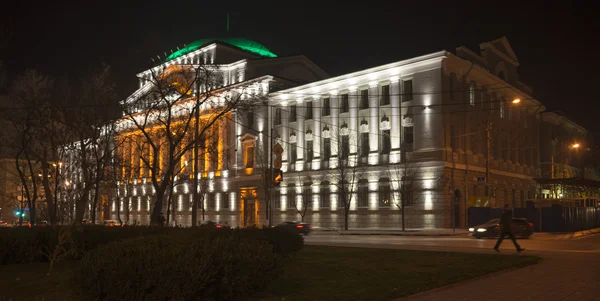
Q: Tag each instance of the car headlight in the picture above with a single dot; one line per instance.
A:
(481, 230)
(471, 229)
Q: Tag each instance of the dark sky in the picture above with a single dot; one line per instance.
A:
(555, 44)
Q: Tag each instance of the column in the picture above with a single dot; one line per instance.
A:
(395, 119)
(353, 122)
(335, 127)
(317, 131)
(373, 117)
(300, 133)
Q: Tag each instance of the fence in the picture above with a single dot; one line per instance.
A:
(548, 219)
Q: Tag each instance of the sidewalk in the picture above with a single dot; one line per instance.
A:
(393, 232)
(557, 277)
(564, 236)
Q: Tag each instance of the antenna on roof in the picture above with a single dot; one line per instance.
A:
(158, 56)
(165, 54)
(177, 48)
(171, 51)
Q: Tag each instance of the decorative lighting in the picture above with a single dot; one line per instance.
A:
(516, 100)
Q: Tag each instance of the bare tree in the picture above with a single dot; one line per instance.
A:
(29, 97)
(407, 185)
(163, 118)
(346, 167)
(302, 201)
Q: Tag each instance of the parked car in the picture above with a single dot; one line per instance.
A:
(300, 227)
(111, 223)
(521, 227)
(4, 224)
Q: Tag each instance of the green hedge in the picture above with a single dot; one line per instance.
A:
(175, 268)
(25, 245)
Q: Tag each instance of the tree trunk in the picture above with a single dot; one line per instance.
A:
(173, 207)
(118, 207)
(80, 204)
(48, 194)
(95, 202)
(157, 210)
(346, 215)
(402, 213)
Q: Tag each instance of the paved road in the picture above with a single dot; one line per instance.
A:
(587, 244)
(569, 270)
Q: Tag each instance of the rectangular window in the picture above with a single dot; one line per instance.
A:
(293, 152)
(225, 201)
(344, 106)
(276, 201)
(406, 194)
(502, 108)
(386, 142)
(249, 156)
(472, 94)
(345, 151)
(309, 151)
(210, 201)
(324, 195)
(364, 144)
(326, 148)
(408, 138)
(326, 110)
(291, 196)
(385, 95)
(364, 99)
(250, 117)
(278, 116)
(384, 194)
(363, 194)
(292, 113)
(309, 110)
(408, 91)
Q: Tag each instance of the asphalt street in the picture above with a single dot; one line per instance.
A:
(463, 243)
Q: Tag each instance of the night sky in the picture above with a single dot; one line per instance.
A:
(554, 44)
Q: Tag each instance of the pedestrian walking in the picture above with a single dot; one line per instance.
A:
(506, 229)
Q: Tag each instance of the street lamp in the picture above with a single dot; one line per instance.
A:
(516, 100)
(575, 145)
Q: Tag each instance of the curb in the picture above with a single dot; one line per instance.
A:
(405, 234)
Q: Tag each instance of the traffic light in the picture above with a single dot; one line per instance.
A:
(277, 177)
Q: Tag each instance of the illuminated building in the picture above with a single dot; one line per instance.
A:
(431, 112)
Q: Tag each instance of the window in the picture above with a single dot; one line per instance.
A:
(344, 106)
(408, 138)
(364, 99)
(326, 148)
(384, 192)
(225, 201)
(326, 110)
(278, 116)
(363, 193)
(293, 152)
(364, 144)
(249, 156)
(408, 91)
(210, 201)
(276, 201)
(385, 95)
(502, 108)
(309, 151)
(292, 113)
(472, 94)
(386, 142)
(406, 194)
(291, 196)
(250, 117)
(325, 195)
(309, 110)
(345, 151)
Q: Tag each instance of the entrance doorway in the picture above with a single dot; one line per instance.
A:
(249, 205)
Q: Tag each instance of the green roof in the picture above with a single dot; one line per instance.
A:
(242, 43)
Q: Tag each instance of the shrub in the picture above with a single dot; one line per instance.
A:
(26, 245)
(172, 268)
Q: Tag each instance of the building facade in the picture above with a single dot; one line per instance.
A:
(423, 138)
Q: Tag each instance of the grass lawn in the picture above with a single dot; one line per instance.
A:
(316, 273)
(336, 273)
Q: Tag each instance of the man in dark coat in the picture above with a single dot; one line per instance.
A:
(506, 229)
